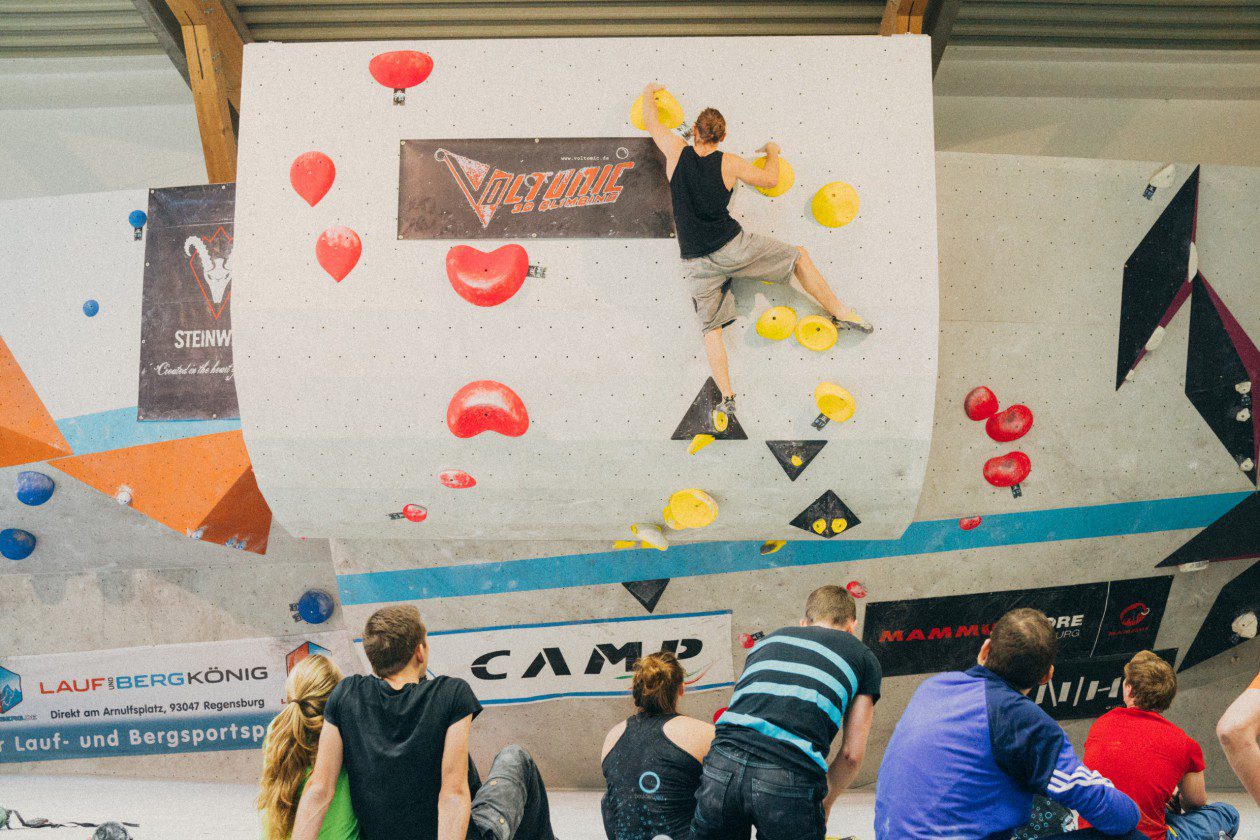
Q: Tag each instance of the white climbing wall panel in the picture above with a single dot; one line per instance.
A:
(344, 386)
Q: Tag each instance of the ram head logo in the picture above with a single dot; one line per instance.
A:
(211, 263)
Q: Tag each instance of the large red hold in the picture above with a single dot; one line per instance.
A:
(487, 279)
(486, 406)
(969, 523)
(1007, 470)
(457, 479)
(312, 175)
(980, 403)
(338, 250)
(1011, 424)
(400, 70)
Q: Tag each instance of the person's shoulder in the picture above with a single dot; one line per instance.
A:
(693, 736)
(450, 685)
(349, 685)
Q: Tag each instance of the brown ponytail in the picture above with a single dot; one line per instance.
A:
(657, 680)
(292, 739)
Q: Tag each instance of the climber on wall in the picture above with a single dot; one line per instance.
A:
(715, 249)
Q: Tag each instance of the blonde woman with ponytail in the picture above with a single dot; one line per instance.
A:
(652, 760)
(289, 755)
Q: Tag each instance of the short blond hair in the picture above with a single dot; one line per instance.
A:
(1152, 681)
(830, 605)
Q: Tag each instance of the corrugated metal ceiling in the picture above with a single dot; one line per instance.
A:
(102, 27)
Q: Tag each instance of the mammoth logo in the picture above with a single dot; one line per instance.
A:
(211, 264)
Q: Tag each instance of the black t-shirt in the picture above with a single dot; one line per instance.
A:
(791, 699)
(393, 750)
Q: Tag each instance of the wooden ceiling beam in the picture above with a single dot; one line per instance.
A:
(228, 37)
(929, 17)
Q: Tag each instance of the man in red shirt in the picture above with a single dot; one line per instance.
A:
(1149, 757)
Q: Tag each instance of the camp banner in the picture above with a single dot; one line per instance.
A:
(198, 697)
(547, 187)
(927, 635)
(186, 314)
(1087, 688)
(526, 663)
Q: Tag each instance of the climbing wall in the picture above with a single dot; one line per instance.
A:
(363, 368)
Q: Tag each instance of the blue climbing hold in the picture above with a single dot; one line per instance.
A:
(90, 308)
(16, 544)
(34, 488)
(138, 218)
(315, 606)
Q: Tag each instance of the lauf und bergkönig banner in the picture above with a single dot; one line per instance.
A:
(151, 700)
(549, 187)
(927, 635)
(186, 370)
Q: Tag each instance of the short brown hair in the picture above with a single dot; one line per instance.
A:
(657, 680)
(830, 605)
(710, 126)
(1022, 647)
(1152, 681)
(391, 637)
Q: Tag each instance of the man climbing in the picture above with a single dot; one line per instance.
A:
(715, 249)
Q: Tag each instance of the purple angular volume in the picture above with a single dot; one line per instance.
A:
(1222, 357)
(1235, 536)
(1240, 595)
(1156, 277)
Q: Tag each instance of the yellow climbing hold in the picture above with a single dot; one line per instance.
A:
(692, 508)
(771, 546)
(833, 401)
(651, 536)
(787, 177)
(776, 323)
(816, 333)
(668, 111)
(720, 420)
(819, 526)
(839, 524)
(796, 460)
(620, 545)
(699, 442)
(670, 521)
(835, 205)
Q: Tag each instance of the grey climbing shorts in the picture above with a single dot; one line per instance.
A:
(749, 256)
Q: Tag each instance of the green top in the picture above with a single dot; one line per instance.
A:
(339, 822)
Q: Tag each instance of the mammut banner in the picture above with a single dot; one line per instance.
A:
(531, 662)
(549, 187)
(1087, 688)
(927, 635)
(151, 700)
(186, 319)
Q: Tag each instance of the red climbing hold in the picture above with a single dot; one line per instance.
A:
(1011, 424)
(1007, 470)
(457, 479)
(338, 250)
(487, 279)
(400, 70)
(312, 175)
(969, 523)
(415, 513)
(856, 589)
(718, 714)
(980, 403)
(484, 406)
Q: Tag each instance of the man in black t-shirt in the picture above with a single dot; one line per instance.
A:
(801, 687)
(403, 739)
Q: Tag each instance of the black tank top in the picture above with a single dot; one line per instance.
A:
(651, 783)
(700, 197)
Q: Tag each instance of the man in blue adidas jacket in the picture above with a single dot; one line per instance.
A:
(971, 750)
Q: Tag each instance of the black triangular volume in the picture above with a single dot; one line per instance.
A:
(795, 455)
(1235, 536)
(699, 417)
(1216, 635)
(647, 592)
(1155, 276)
(827, 508)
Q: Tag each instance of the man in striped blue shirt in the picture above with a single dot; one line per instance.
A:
(768, 764)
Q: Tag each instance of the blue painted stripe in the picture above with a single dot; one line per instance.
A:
(807, 695)
(574, 623)
(537, 697)
(812, 673)
(779, 734)
(119, 428)
(823, 651)
(927, 537)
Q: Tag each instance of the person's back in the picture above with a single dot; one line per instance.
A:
(700, 199)
(971, 750)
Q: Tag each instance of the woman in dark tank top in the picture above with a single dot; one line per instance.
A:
(652, 761)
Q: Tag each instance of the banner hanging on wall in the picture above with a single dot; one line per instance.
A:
(928, 635)
(548, 187)
(151, 700)
(530, 662)
(1089, 687)
(186, 320)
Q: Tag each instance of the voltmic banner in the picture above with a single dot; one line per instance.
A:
(151, 700)
(531, 662)
(186, 320)
(1087, 688)
(549, 187)
(927, 635)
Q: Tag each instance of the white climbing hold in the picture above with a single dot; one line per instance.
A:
(123, 496)
(1243, 387)
(1243, 415)
(651, 536)
(1246, 465)
(1195, 566)
(1245, 625)
(1162, 178)
(1156, 339)
(1192, 267)
(197, 534)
